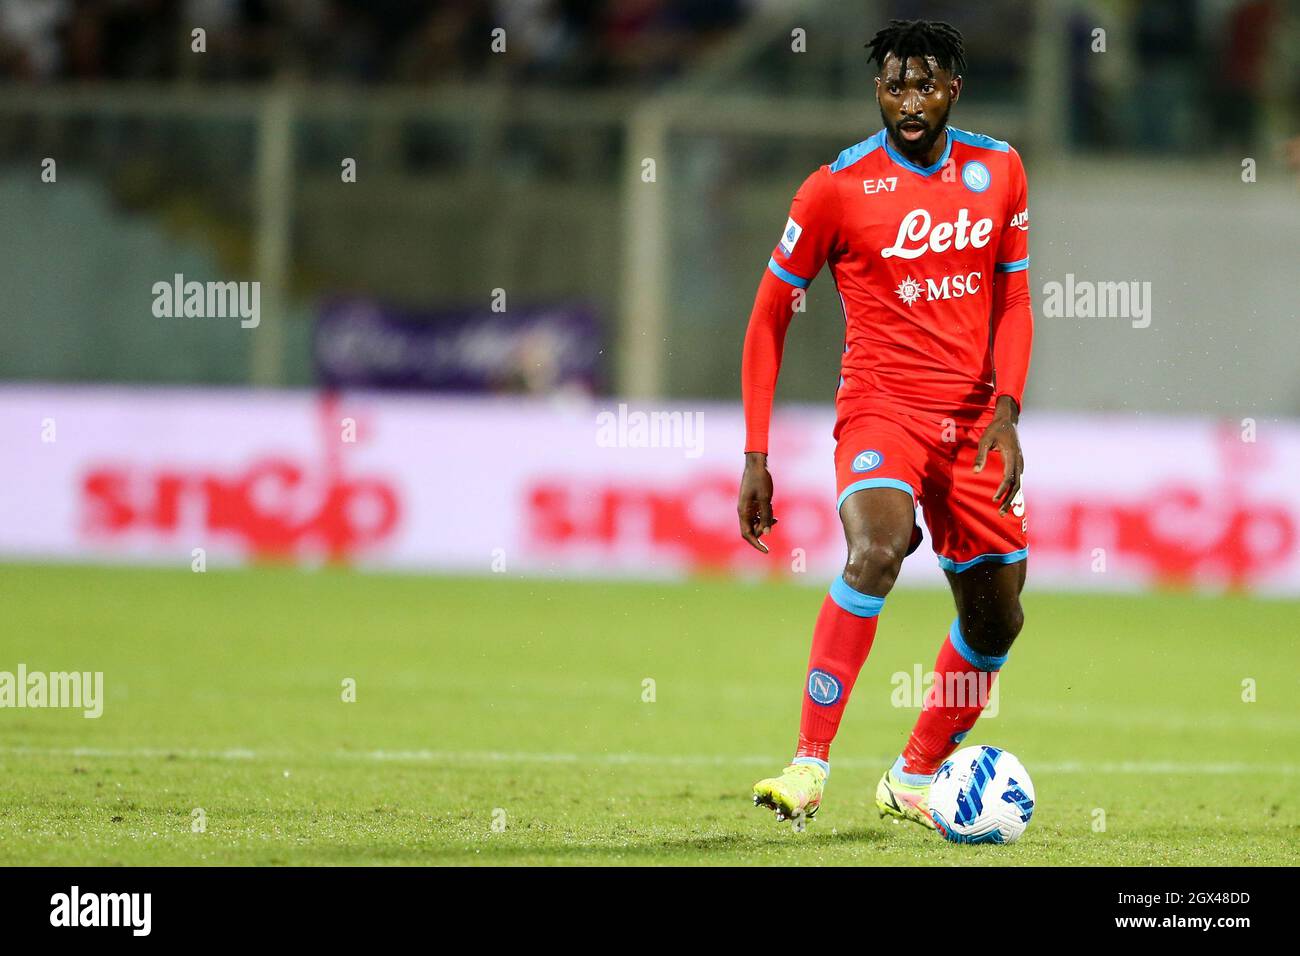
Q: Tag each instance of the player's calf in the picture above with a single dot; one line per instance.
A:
(963, 685)
(993, 632)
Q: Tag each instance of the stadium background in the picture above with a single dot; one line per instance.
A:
(439, 339)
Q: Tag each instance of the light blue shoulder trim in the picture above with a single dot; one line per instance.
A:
(978, 140)
(851, 155)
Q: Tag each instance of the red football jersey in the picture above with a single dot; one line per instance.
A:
(914, 252)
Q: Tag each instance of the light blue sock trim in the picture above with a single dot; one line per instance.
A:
(911, 779)
(985, 662)
(866, 483)
(855, 602)
(813, 760)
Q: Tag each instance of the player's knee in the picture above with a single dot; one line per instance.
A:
(994, 631)
(872, 568)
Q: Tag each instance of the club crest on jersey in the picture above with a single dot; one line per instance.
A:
(868, 460)
(937, 237)
(823, 688)
(791, 235)
(975, 175)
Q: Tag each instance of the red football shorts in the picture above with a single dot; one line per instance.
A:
(933, 461)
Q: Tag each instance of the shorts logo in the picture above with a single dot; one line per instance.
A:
(1018, 503)
(823, 688)
(976, 176)
(867, 461)
(791, 235)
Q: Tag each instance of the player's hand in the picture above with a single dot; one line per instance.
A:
(755, 506)
(1001, 435)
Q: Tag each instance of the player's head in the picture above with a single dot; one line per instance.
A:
(919, 78)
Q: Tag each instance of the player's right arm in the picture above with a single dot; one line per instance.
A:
(809, 235)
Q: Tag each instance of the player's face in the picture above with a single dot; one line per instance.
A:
(914, 103)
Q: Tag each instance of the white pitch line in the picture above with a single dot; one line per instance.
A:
(622, 759)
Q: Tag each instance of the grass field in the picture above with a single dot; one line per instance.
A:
(519, 702)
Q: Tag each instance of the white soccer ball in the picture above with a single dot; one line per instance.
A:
(981, 795)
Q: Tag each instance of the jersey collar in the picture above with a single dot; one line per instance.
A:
(900, 160)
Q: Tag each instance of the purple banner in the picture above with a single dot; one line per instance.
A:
(361, 343)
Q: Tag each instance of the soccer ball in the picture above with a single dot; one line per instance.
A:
(981, 795)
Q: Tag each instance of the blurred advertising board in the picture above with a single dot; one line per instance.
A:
(581, 487)
(360, 343)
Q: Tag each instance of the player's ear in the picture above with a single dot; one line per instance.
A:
(954, 89)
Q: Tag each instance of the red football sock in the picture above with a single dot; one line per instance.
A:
(962, 684)
(842, 640)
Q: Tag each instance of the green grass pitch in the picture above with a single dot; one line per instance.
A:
(501, 721)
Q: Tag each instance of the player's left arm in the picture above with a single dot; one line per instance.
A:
(1013, 335)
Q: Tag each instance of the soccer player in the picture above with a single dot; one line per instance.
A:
(925, 229)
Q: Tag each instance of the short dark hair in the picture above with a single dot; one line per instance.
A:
(920, 38)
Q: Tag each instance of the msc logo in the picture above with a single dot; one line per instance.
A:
(885, 185)
(867, 461)
(951, 287)
(823, 688)
(958, 234)
(975, 175)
